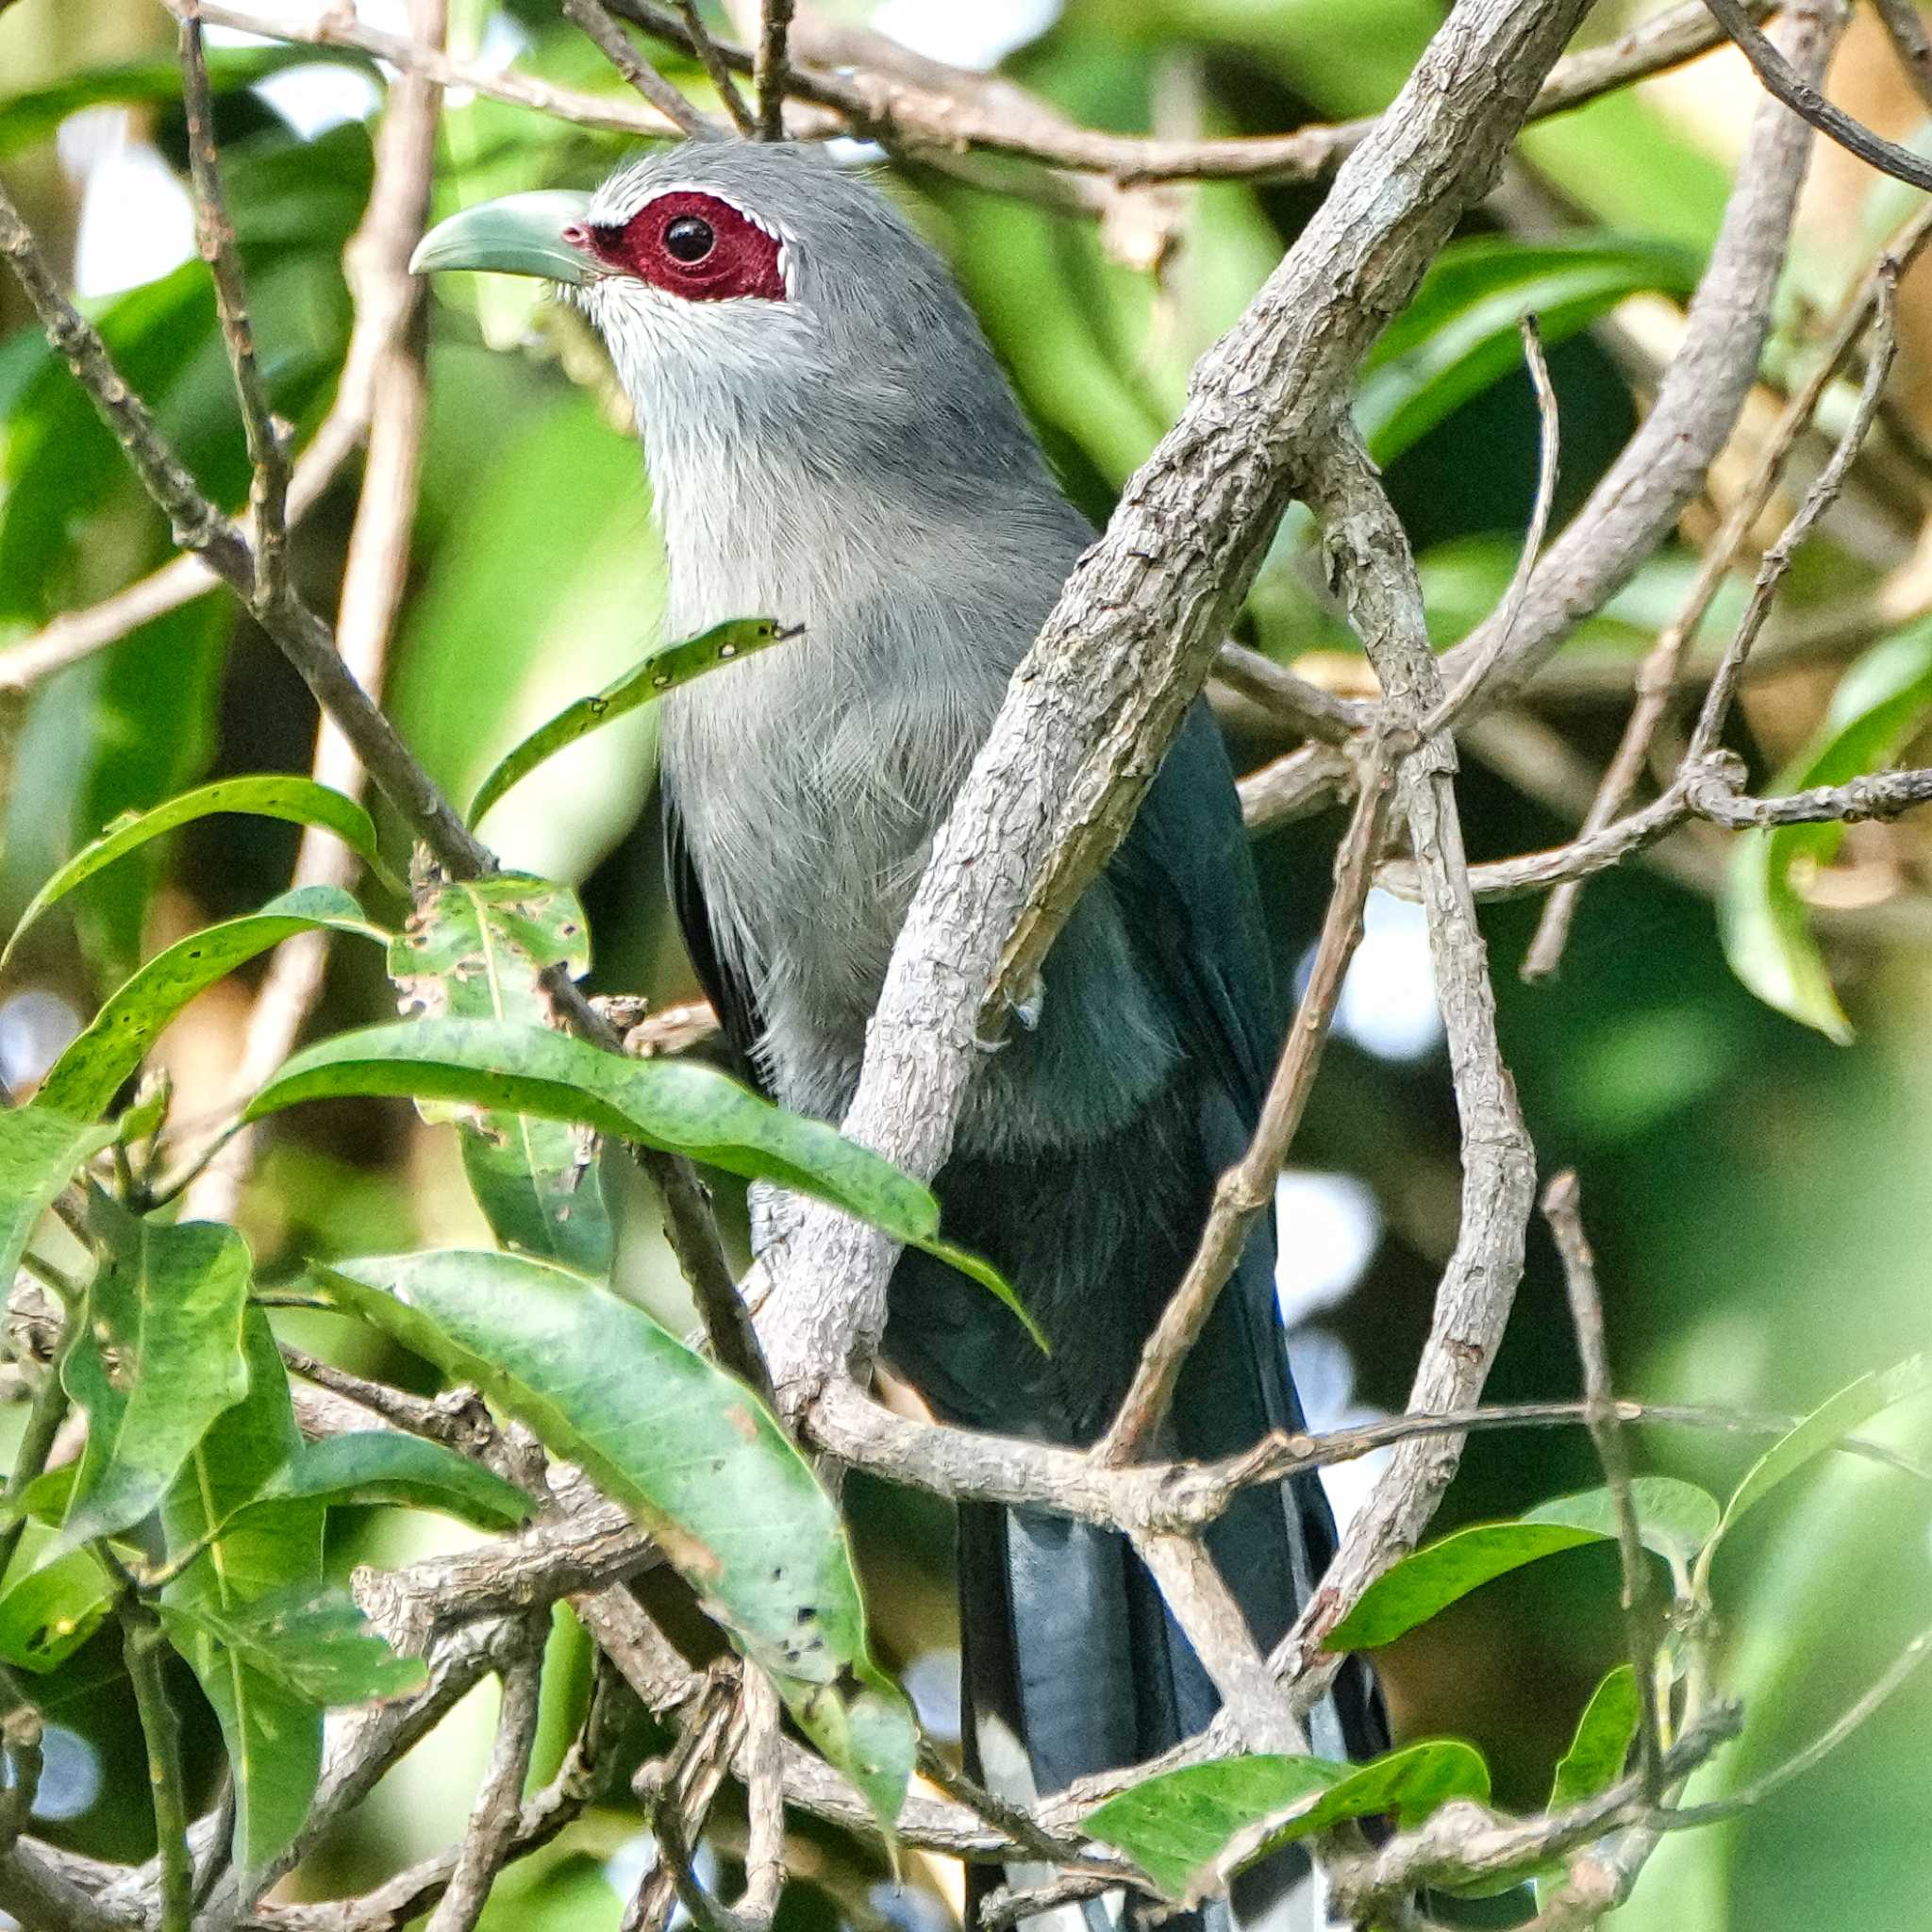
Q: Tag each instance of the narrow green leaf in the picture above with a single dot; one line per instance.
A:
(157, 1356)
(687, 1450)
(1605, 1733)
(272, 1735)
(1437, 1574)
(1827, 1425)
(273, 795)
(83, 1081)
(38, 1151)
(477, 950)
(1460, 333)
(663, 670)
(500, 1067)
(386, 1466)
(52, 1611)
(1674, 1519)
(1880, 703)
(1190, 1830)
(309, 1638)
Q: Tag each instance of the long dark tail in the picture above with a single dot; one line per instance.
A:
(1072, 1663)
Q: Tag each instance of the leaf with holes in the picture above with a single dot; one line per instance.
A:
(84, 1080)
(39, 1151)
(155, 1358)
(386, 1466)
(1672, 1516)
(663, 670)
(275, 795)
(272, 1735)
(476, 950)
(1879, 704)
(687, 1450)
(1190, 1830)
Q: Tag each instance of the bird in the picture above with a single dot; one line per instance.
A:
(832, 442)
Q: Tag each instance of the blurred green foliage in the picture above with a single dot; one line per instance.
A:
(1757, 1194)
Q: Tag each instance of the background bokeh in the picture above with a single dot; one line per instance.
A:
(1760, 1198)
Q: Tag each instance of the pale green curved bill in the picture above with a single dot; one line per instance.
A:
(519, 235)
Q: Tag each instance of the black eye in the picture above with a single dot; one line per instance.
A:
(689, 239)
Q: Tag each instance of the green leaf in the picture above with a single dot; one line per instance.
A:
(501, 1067)
(273, 795)
(1881, 703)
(1674, 1519)
(1460, 333)
(1190, 1830)
(52, 1611)
(44, 1499)
(1605, 1733)
(1176, 1824)
(687, 1450)
(271, 1734)
(39, 1150)
(476, 950)
(156, 1357)
(311, 1640)
(84, 1080)
(386, 1466)
(1827, 1425)
(1439, 1573)
(663, 670)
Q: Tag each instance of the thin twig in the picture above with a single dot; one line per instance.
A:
(268, 493)
(597, 20)
(1896, 1675)
(1464, 1842)
(198, 525)
(947, 108)
(1246, 1188)
(1818, 499)
(143, 1646)
(679, 1795)
(1657, 675)
(1782, 80)
(1562, 1209)
(770, 72)
(1549, 449)
(698, 39)
(498, 1811)
(383, 382)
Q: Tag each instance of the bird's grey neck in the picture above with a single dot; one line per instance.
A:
(782, 510)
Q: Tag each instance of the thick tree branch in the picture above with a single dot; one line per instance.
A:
(1131, 640)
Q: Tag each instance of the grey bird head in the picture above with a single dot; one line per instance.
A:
(758, 293)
